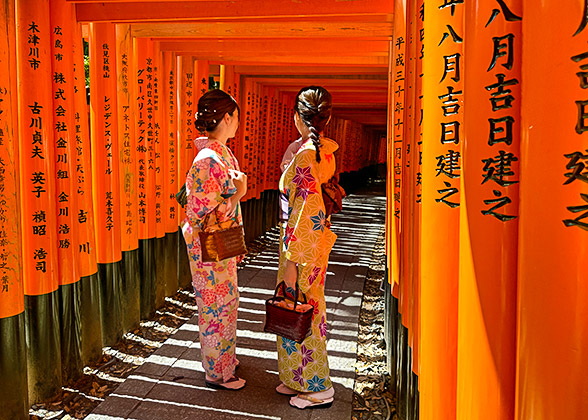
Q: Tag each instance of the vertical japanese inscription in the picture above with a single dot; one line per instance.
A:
(576, 169)
(449, 163)
(498, 168)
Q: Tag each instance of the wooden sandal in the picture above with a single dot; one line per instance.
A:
(303, 401)
(285, 390)
(227, 385)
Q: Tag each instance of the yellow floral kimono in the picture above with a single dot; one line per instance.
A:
(307, 240)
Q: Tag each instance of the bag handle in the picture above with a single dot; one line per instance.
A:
(207, 227)
(282, 284)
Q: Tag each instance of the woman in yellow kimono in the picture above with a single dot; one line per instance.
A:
(305, 244)
(214, 186)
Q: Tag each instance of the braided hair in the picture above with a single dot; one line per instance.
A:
(212, 107)
(313, 104)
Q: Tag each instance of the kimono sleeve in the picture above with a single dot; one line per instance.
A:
(307, 238)
(208, 185)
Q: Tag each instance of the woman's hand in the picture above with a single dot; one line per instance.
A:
(290, 274)
(240, 181)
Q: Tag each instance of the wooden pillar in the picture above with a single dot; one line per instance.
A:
(441, 171)
(417, 181)
(553, 238)
(397, 79)
(170, 171)
(37, 185)
(128, 182)
(105, 171)
(489, 210)
(85, 244)
(62, 31)
(13, 367)
(127, 140)
(172, 183)
(157, 170)
(187, 107)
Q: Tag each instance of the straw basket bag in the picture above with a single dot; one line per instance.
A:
(287, 318)
(222, 240)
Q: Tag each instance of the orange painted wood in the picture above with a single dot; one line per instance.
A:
(291, 29)
(488, 241)
(186, 110)
(398, 107)
(86, 238)
(553, 243)
(158, 140)
(36, 148)
(170, 141)
(302, 69)
(126, 99)
(11, 279)
(440, 213)
(103, 125)
(417, 181)
(64, 135)
(327, 46)
(145, 136)
(182, 10)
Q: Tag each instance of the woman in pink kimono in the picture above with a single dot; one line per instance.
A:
(305, 244)
(214, 186)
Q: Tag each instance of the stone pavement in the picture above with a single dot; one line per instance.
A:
(170, 384)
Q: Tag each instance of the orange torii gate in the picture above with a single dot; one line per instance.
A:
(92, 162)
(482, 107)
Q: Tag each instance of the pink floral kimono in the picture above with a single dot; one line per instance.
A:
(208, 185)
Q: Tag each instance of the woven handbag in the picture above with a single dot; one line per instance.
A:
(287, 318)
(333, 195)
(221, 241)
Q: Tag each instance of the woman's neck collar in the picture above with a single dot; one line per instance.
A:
(220, 140)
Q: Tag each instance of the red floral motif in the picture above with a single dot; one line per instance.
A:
(315, 305)
(222, 289)
(208, 297)
(289, 235)
(210, 186)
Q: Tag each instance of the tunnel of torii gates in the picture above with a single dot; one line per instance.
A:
(478, 109)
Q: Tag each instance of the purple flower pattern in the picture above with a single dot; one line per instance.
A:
(298, 375)
(306, 354)
(315, 272)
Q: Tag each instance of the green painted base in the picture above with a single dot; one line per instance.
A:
(170, 263)
(111, 291)
(147, 270)
(184, 275)
(91, 325)
(159, 262)
(43, 347)
(13, 369)
(131, 290)
(71, 331)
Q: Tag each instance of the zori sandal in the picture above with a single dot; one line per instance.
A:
(322, 399)
(233, 384)
(284, 390)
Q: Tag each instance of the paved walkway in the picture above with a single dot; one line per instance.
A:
(170, 385)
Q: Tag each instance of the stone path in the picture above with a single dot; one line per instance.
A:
(170, 384)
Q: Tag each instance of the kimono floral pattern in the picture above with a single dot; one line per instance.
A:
(208, 186)
(307, 240)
